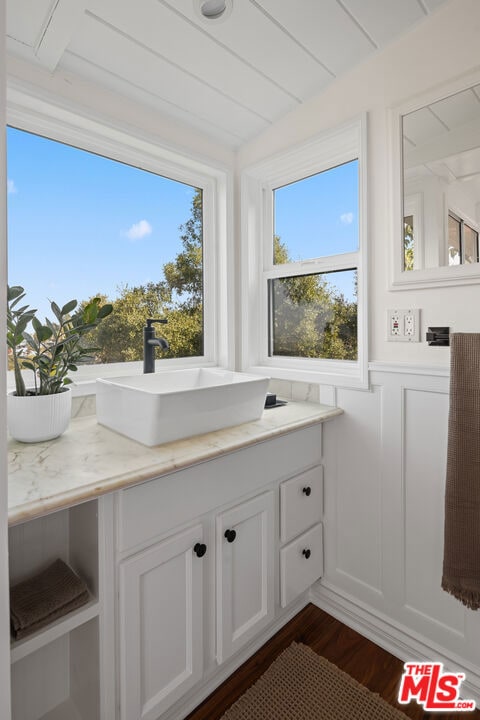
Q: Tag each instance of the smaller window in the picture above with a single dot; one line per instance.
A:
(313, 310)
(304, 261)
(462, 241)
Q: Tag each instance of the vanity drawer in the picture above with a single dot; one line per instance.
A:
(301, 563)
(301, 503)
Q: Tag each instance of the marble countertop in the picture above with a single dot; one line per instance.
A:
(89, 460)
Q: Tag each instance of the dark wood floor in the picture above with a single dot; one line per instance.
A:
(366, 662)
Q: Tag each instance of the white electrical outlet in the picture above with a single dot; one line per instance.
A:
(403, 325)
(394, 323)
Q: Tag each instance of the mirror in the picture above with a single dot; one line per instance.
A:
(441, 185)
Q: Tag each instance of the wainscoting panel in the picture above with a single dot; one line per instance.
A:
(385, 463)
(355, 557)
(424, 462)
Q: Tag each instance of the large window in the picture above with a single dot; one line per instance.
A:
(304, 314)
(82, 225)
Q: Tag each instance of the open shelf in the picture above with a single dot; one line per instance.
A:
(60, 680)
(56, 670)
(21, 648)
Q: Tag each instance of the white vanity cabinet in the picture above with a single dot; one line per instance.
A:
(185, 569)
(245, 553)
(181, 619)
(161, 624)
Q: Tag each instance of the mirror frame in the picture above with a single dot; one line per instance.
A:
(443, 276)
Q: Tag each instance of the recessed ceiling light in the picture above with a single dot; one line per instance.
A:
(213, 9)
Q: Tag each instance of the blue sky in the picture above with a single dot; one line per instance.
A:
(319, 216)
(80, 224)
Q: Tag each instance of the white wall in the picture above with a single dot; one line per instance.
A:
(385, 457)
(441, 48)
(4, 615)
(384, 517)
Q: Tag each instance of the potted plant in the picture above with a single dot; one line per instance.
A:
(51, 351)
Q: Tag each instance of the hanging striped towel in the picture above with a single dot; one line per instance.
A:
(461, 560)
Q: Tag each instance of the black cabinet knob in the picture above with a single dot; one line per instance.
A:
(200, 549)
(306, 553)
(230, 535)
(307, 491)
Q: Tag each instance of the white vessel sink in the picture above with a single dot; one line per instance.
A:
(170, 405)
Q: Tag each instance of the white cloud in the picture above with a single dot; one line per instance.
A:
(346, 218)
(139, 230)
(11, 187)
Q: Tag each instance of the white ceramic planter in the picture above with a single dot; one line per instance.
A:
(34, 418)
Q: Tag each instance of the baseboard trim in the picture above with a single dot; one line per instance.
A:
(393, 637)
(220, 673)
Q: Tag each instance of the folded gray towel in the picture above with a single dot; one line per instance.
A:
(38, 601)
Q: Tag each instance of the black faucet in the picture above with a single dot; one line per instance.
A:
(149, 344)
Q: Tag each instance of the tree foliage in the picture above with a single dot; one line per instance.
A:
(310, 318)
(179, 298)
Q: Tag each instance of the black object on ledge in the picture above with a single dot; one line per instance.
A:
(438, 336)
(272, 402)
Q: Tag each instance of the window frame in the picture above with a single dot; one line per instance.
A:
(323, 152)
(42, 117)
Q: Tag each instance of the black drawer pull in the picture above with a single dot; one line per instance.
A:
(230, 535)
(307, 491)
(306, 553)
(200, 549)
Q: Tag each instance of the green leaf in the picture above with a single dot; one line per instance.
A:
(14, 292)
(104, 311)
(73, 368)
(31, 341)
(29, 365)
(90, 313)
(20, 310)
(67, 381)
(45, 333)
(56, 310)
(67, 309)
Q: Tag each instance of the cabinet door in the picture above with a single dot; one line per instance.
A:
(160, 624)
(245, 572)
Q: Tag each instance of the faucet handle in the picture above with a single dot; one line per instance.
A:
(156, 320)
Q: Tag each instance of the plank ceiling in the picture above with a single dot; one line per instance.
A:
(230, 78)
(443, 138)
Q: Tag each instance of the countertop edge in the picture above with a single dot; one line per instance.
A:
(43, 506)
